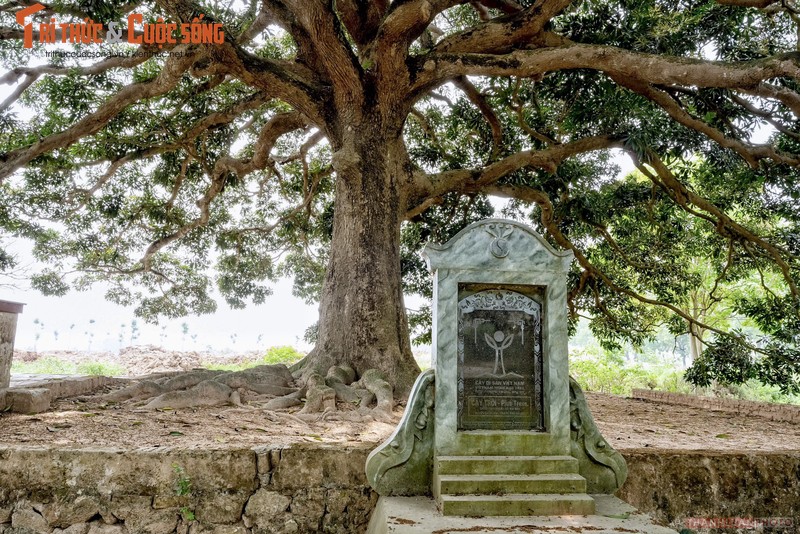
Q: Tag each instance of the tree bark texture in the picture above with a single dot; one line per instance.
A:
(362, 315)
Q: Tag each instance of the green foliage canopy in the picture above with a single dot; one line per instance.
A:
(219, 165)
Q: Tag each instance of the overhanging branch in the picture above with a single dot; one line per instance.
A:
(173, 70)
(475, 180)
(435, 68)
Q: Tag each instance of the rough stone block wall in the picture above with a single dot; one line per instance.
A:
(322, 488)
(273, 489)
(775, 412)
(31, 397)
(675, 485)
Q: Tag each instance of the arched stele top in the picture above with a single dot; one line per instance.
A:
(497, 245)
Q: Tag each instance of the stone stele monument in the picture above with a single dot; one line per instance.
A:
(496, 427)
(8, 329)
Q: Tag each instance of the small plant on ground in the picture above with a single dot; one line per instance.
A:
(54, 366)
(43, 366)
(183, 488)
(605, 371)
(274, 355)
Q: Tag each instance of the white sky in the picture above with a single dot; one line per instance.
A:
(282, 320)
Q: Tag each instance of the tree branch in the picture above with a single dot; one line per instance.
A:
(503, 34)
(277, 126)
(787, 97)
(362, 18)
(274, 128)
(750, 153)
(173, 70)
(486, 110)
(725, 225)
(189, 136)
(434, 68)
(475, 180)
(407, 19)
(321, 25)
(530, 194)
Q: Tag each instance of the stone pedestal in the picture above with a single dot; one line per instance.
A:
(496, 427)
(502, 423)
(8, 330)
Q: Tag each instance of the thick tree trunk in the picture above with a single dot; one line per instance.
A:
(362, 316)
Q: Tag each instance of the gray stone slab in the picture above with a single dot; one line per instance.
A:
(8, 330)
(413, 515)
(34, 400)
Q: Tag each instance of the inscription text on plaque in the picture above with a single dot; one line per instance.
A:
(499, 357)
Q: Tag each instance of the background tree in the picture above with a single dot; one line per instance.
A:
(306, 140)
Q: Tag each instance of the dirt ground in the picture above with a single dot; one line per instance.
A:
(625, 423)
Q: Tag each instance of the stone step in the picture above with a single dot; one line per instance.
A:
(501, 484)
(509, 443)
(515, 504)
(506, 465)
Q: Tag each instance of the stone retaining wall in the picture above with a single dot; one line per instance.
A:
(775, 412)
(157, 491)
(322, 488)
(675, 485)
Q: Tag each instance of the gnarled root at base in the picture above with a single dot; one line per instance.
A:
(374, 381)
(270, 387)
(339, 384)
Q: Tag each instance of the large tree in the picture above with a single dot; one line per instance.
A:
(331, 139)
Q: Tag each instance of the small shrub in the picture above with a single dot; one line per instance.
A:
(101, 369)
(284, 354)
(607, 372)
(183, 484)
(601, 371)
(53, 366)
(44, 366)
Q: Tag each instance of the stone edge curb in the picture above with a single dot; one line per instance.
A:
(60, 388)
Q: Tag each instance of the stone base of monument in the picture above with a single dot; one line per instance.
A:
(510, 485)
(413, 515)
(496, 428)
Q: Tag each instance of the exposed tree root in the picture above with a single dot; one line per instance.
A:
(206, 393)
(319, 397)
(190, 379)
(374, 381)
(340, 384)
(287, 401)
(338, 378)
(270, 388)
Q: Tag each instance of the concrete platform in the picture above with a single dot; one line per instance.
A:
(415, 515)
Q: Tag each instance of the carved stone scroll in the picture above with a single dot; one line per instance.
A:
(402, 465)
(599, 463)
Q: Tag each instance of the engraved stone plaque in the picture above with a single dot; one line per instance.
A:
(499, 357)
